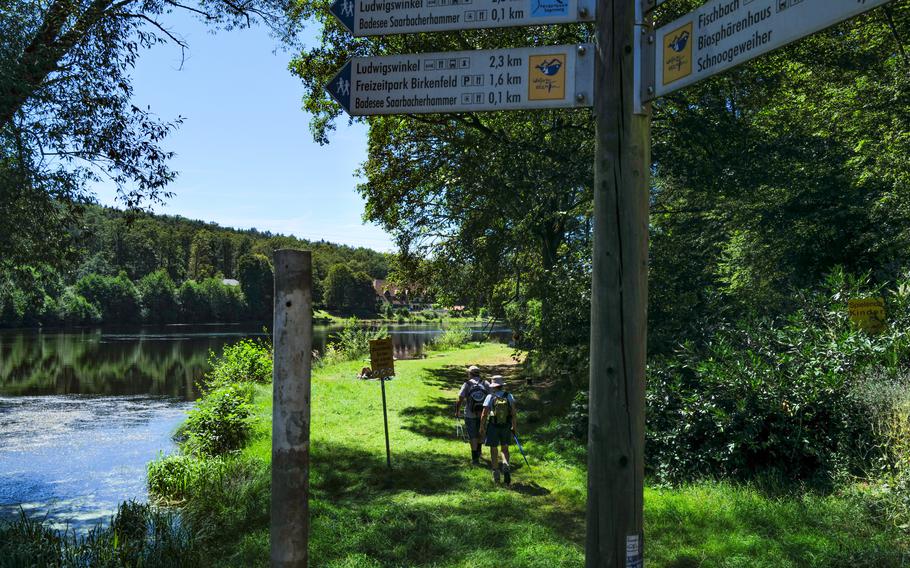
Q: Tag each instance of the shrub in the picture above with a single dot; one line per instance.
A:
(73, 309)
(220, 422)
(178, 477)
(774, 396)
(351, 343)
(453, 337)
(116, 297)
(248, 361)
(193, 304)
(159, 297)
(226, 303)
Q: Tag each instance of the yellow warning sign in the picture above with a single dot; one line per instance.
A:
(678, 54)
(868, 314)
(547, 77)
(382, 358)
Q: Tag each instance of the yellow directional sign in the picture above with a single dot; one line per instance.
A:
(868, 314)
(382, 358)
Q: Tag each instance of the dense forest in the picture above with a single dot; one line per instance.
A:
(134, 267)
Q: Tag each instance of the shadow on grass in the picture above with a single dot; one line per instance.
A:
(345, 473)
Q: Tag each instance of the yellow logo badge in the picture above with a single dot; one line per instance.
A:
(547, 77)
(678, 54)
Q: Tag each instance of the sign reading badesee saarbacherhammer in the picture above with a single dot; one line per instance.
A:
(382, 17)
(724, 33)
(559, 76)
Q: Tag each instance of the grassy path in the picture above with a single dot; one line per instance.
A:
(434, 510)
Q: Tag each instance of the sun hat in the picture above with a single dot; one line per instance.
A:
(473, 370)
(497, 381)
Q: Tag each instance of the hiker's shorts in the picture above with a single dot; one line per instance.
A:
(498, 435)
(472, 425)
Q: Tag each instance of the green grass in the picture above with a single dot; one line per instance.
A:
(432, 509)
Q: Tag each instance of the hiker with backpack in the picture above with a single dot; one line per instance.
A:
(497, 425)
(472, 395)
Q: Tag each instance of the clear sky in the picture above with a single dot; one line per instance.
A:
(245, 154)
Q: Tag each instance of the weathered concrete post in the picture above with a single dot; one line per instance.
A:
(293, 348)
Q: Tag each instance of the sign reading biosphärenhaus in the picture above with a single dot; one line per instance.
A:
(724, 33)
(384, 17)
(467, 81)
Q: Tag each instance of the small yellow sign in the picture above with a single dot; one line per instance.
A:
(868, 314)
(547, 77)
(678, 54)
(382, 358)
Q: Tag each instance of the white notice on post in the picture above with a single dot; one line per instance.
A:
(560, 76)
(724, 33)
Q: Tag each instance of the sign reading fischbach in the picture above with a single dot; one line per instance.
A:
(467, 81)
(383, 17)
(724, 33)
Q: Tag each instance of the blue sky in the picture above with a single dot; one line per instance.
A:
(245, 154)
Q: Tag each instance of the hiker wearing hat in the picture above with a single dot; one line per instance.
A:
(472, 395)
(497, 423)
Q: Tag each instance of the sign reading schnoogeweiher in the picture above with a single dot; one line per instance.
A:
(724, 33)
(560, 76)
(384, 17)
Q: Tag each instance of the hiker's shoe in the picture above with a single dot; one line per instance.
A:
(495, 476)
(506, 474)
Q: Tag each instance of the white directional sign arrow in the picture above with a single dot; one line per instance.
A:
(385, 17)
(559, 76)
(724, 33)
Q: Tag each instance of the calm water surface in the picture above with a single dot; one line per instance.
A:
(83, 412)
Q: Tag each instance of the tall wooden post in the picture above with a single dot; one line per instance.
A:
(619, 294)
(293, 347)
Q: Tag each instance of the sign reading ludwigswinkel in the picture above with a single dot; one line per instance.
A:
(724, 33)
(385, 17)
(559, 76)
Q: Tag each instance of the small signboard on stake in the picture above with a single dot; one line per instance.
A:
(868, 314)
(382, 358)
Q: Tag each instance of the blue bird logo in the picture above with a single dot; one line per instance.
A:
(678, 43)
(550, 68)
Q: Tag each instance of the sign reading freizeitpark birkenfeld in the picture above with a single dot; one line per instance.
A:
(724, 33)
(560, 76)
(383, 17)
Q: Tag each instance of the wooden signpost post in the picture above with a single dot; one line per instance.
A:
(631, 63)
(382, 366)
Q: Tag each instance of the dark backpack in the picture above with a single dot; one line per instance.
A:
(502, 410)
(477, 394)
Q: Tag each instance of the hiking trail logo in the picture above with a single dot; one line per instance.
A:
(544, 8)
(547, 77)
(678, 54)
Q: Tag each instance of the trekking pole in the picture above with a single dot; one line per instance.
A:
(521, 450)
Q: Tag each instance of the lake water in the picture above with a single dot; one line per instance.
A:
(83, 412)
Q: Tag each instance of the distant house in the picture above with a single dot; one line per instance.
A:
(401, 297)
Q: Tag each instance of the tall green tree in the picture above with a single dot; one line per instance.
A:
(257, 282)
(66, 113)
